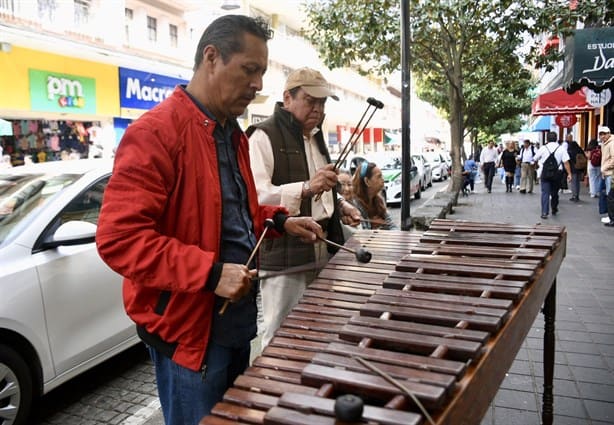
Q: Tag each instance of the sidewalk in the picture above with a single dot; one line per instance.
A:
(584, 326)
(584, 370)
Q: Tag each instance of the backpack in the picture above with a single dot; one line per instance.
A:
(551, 167)
(596, 157)
(580, 163)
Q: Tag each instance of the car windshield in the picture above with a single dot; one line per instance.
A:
(22, 195)
(432, 156)
(392, 164)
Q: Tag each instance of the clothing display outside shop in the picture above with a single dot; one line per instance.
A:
(42, 140)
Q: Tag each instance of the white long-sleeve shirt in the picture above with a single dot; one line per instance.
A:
(489, 155)
(289, 194)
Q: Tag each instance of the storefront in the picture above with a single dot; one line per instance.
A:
(589, 67)
(139, 92)
(57, 106)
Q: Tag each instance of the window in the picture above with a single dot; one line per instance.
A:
(82, 12)
(46, 10)
(172, 34)
(152, 28)
(86, 206)
(128, 15)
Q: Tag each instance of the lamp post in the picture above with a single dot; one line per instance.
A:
(405, 120)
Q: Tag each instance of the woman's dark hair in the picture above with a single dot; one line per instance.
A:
(226, 34)
(592, 144)
(375, 207)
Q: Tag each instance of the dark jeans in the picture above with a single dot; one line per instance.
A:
(550, 194)
(576, 178)
(489, 174)
(187, 396)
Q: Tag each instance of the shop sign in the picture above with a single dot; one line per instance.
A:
(144, 90)
(55, 92)
(598, 99)
(566, 120)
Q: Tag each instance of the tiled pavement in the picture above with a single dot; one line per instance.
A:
(584, 327)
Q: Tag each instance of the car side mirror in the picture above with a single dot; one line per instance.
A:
(72, 233)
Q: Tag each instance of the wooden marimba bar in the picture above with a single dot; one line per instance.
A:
(423, 334)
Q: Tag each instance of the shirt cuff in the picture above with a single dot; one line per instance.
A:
(214, 277)
(280, 219)
(291, 198)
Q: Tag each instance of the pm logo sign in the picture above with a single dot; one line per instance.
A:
(144, 90)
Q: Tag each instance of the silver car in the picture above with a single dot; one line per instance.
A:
(61, 309)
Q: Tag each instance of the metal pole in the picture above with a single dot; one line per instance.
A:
(405, 120)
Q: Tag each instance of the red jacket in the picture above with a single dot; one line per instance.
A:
(160, 222)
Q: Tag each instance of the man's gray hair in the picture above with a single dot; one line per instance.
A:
(226, 34)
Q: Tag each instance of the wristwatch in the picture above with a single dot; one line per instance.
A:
(307, 189)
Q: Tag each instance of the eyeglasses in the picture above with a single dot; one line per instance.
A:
(311, 102)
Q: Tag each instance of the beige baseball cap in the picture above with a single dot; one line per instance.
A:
(311, 81)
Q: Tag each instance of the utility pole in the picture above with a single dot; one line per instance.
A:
(405, 117)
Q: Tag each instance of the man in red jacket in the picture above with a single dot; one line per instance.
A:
(181, 217)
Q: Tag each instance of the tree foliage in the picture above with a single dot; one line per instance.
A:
(466, 54)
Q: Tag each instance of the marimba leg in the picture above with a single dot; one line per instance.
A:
(549, 313)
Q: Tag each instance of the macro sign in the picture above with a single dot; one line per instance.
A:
(144, 90)
(64, 93)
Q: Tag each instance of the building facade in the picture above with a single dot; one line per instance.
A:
(75, 73)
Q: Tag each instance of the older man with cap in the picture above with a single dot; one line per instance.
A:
(291, 165)
(607, 168)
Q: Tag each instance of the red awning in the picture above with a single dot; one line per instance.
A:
(558, 102)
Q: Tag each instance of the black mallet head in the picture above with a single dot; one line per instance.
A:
(362, 255)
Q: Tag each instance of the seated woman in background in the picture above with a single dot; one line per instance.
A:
(344, 185)
(367, 184)
(345, 190)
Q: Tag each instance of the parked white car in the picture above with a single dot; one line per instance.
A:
(424, 170)
(393, 182)
(61, 310)
(439, 167)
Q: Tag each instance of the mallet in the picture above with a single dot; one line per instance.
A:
(358, 130)
(268, 223)
(361, 254)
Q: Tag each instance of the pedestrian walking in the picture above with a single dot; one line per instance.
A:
(488, 159)
(527, 166)
(593, 152)
(551, 177)
(607, 168)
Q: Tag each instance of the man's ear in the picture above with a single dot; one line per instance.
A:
(210, 54)
(287, 96)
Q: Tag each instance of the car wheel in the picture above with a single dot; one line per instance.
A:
(418, 194)
(15, 387)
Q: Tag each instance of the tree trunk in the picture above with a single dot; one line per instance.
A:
(456, 133)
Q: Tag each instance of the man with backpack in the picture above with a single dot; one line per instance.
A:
(551, 158)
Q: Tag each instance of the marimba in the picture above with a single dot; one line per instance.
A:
(423, 334)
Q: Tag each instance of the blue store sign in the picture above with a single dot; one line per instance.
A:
(143, 90)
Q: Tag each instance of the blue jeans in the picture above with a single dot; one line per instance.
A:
(550, 195)
(187, 396)
(517, 175)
